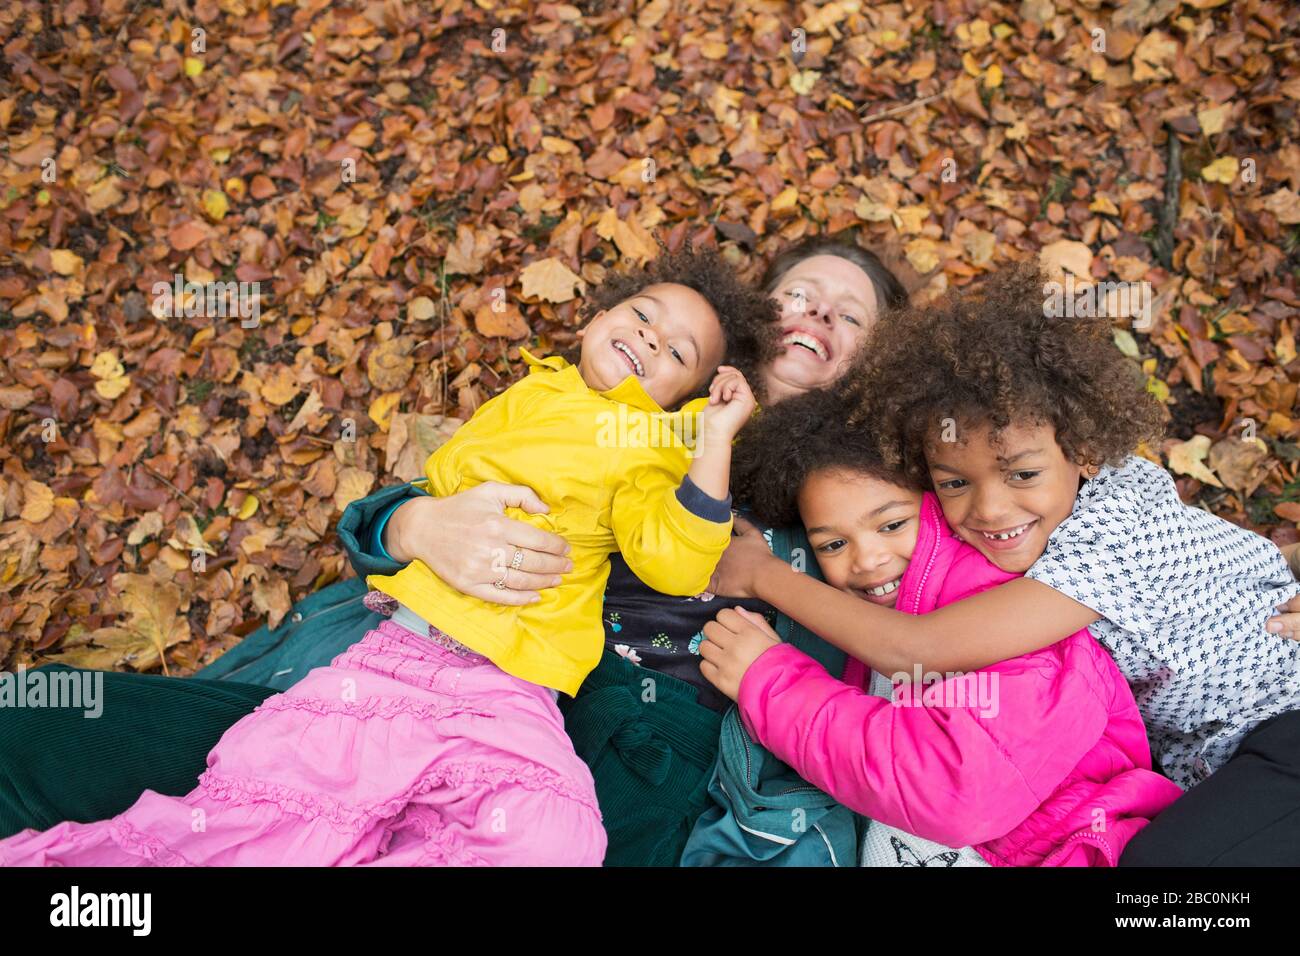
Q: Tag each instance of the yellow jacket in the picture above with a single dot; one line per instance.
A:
(592, 457)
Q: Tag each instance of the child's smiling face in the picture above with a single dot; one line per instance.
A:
(862, 530)
(667, 336)
(1005, 499)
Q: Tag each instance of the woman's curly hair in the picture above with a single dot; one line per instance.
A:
(748, 317)
(995, 358)
(786, 442)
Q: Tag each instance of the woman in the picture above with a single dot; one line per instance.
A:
(651, 745)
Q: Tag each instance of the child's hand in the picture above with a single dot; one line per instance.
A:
(732, 643)
(731, 403)
(734, 576)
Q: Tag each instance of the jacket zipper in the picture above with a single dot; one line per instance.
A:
(929, 566)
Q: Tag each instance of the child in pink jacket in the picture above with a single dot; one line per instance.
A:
(1041, 760)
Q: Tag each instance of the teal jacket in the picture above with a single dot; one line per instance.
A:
(652, 748)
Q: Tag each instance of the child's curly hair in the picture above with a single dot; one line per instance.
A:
(748, 317)
(786, 442)
(996, 358)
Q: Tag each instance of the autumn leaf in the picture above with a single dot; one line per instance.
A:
(490, 321)
(153, 625)
(1285, 205)
(389, 366)
(281, 386)
(1222, 170)
(412, 439)
(187, 235)
(113, 380)
(65, 262)
(381, 409)
(420, 308)
(271, 597)
(951, 147)
(804, 81)
(38, 502)
(215, 204)
(1067, 255)
(353, 485)
(1188, 458)
(1241, 463)
(549, 279)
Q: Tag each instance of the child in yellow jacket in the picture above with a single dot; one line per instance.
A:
(436, 740)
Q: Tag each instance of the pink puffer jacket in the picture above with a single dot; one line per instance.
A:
(1041, 760)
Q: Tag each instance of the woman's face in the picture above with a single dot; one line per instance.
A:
(827, 306)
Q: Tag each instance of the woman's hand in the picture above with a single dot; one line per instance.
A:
(732, 643)
(467, 540)
(736, 571)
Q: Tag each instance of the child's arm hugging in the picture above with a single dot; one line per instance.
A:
(1014, 618)
(668, 541)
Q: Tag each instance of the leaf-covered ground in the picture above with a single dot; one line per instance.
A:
(418, 189)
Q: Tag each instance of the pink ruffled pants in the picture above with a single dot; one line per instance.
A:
(400, 753)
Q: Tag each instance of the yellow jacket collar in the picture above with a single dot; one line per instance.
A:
(627, 392)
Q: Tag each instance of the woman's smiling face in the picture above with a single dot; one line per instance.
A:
(827, 305)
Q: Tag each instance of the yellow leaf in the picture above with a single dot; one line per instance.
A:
(871, 211)
(420, 308)
(1103, 205)
(713, 50)
(1213, 119)
(1286, 349)
(909, 219)
(280, 386)
(1159, 389)
(554, 144)
(106, 365)
(498, 154)
(65, 262)
(111, 388)
(804, 81)
(38, 502)
(381, 409)
(1222, 170)
(631, 238)
(247, 508)
(923, 254)
(786, 200)
(215, 204)
(353, 485)
(549, 279)
(1187, 458)
(969, 64)
(201, 336)
(193, 66)
(993, 78)
(1125, 342)
(979, 33)
(980, 246)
